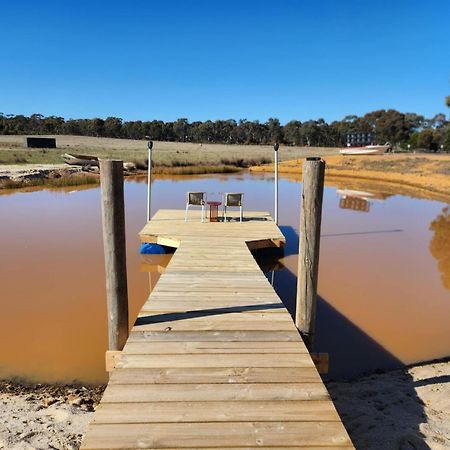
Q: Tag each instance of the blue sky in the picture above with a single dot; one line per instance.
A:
(217, 60)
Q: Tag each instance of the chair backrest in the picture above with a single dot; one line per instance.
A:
(196, 198)
(233, 199)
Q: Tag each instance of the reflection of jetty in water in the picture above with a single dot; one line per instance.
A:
(358, 200)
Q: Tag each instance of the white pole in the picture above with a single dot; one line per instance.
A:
(275, 148)
(149, 181)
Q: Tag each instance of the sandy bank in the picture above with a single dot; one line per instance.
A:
(42, 417)
(402, 409)
(56, 175)
(427, 173)
(20, 172)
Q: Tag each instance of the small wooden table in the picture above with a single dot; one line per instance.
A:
(214, 211)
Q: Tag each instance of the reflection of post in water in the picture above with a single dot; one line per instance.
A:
(440, 244)
(355, 203)
(359, 200)
(155, 265)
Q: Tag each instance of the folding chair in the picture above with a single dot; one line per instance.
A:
(235, 200)
(195, 199)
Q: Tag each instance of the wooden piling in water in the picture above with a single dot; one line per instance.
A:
(113, 218)
(308, 257)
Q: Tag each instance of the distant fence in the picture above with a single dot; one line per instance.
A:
(40, 142)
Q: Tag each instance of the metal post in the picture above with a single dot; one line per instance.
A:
(308, 257)
(275, 148)
(113, 219)
(149, 180)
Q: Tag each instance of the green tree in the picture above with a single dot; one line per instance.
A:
(428, 139)
(180, 128)
(292, 132)
(275, 131)
(112, 127)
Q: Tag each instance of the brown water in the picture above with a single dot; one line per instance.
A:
(384, 280)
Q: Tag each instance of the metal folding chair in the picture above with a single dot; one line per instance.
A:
(195, 199)
(233, 200)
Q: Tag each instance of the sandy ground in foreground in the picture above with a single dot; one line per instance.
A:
(45, 417)
(402, 409)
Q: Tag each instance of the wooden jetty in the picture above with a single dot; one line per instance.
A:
(214, 359)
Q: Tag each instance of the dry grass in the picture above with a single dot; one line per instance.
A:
(66, 181)
(194, 170)
(423, 172)
(165, 154)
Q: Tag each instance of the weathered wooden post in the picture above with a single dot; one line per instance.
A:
(113, 217)
(275, 148)
(308, 257)
(149, 179)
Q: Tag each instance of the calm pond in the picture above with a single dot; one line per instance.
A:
(384, 280)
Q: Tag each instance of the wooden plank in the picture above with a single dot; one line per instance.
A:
(237, 411)
(221, 315)
(137, 335)
(115, 393)
(208, 308)
(220, 325)
(315, 447)
(214, 375)
(166, 348)
(111, 358)
(216, 435)
(207, 360)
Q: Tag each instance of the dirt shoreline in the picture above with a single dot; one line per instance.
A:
(60, 175)
(423, 175)
(400, 409)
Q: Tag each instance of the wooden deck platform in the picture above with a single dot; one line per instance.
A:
(214, 359)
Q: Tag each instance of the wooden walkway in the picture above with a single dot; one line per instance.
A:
(214, 359)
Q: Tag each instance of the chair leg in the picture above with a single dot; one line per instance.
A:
(186, 214)
(241, 211)
(224, 214)
(203, 213)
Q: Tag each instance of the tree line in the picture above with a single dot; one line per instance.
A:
(407, 130)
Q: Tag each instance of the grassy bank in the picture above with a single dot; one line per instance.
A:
(70, 180)
(165, 154)
(429, 173)
(169, 158)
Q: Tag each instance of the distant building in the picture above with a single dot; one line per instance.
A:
(40, 142)
(359, 139)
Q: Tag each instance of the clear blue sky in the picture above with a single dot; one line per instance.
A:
(223, 59)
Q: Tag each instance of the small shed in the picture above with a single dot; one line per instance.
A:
(40, 142)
